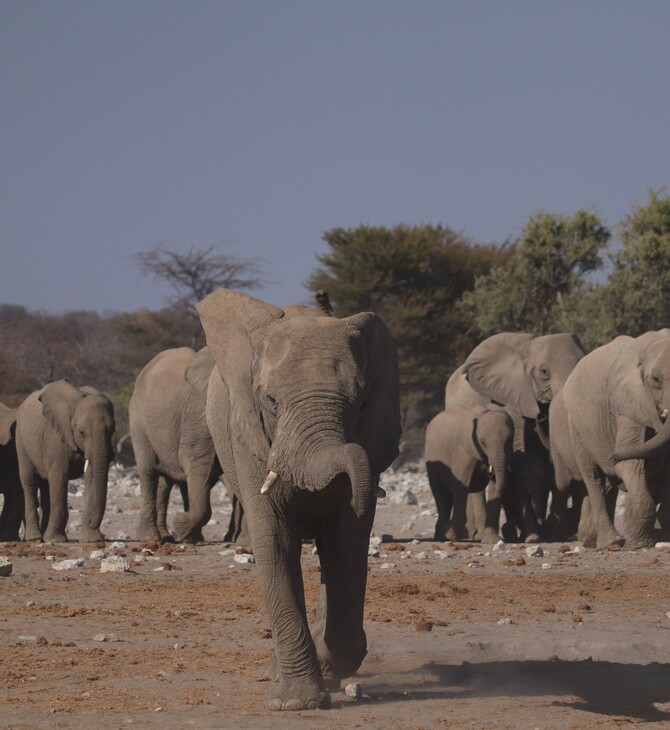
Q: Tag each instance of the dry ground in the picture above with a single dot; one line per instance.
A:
(459, 636)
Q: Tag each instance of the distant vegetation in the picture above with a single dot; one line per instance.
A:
(439, 293)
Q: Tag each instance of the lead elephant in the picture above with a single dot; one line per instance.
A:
(304, 413)
(616, 398)
(62, 433)
(10, 484)
(172, 443)
(523, 373)
(465, 450)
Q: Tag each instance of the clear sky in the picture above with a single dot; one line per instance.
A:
(264, 123)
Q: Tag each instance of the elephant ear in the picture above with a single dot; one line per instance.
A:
(58, 401)
(378, 428)
(496, 369)
(234, 325)
(199, 371)
(7, 424)
(629, 395)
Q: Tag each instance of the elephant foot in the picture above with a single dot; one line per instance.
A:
(490, 536)
(509, 532)
(612, 538)
(533, 538)
(637, 543)
(186, 531)
(55, 536)
(149, 534)
(32, 535)
(294, 696)
(87, 534)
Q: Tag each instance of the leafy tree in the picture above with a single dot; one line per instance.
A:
(547, 272)
(636, 297)
(413, 277)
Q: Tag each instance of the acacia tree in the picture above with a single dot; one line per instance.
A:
(535, 290)
(413, 277)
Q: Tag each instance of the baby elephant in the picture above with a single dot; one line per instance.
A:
(466, 449)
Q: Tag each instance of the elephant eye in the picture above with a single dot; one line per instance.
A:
(80, 431)
(544, 372)
(655, 380)
(271, 401)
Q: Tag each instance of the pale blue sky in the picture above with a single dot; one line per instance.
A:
(264, 123)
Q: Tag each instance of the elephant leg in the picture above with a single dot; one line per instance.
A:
(594, 480)
(237, 526)
(437, 479)
(12, 512)
(188, 525)
(640, 514)
(32, 484)
(163, 491)
(457, 525)
(586, 529)
(490, 533)
(147, 528)
(277, 548)
(58, 508)
(339, 635)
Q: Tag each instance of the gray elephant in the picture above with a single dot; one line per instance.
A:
(172, 443)
(523, 373)
(62, 433)
(465, 450)
(615, 399)
(10, 484)
(304, 413)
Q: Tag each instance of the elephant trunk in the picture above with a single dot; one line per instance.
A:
(647, 449)
(323, 464)
(95, 484)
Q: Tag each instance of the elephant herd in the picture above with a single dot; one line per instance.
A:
(550, 434)
(298, 411)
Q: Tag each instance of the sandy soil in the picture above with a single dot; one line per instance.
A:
(459, 635)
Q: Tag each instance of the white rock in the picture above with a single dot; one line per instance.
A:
(660, 545)
(373, 552)
(426, 513)
(30, 604)
(423, 555)
(353, 691)
(5, 566)
(106, 637)
(229, 551)
(51, 558)
(140, 558)
(375, 541)
(69, 564)
(244, 559)
(578, 550)
(98, 555)
(499, 546)
(546, 566)
(118, 545)
(535, 551)
(505, 622)
(114, 564)
(387, 566)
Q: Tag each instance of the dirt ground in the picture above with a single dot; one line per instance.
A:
(459, 636)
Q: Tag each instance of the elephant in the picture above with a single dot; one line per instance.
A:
(304, 413)
(172, 443)
(62, 433)
(465, 449)
(523, 373)
(10, 483)
(615, 398)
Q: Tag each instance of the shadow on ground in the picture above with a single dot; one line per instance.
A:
(605, 688)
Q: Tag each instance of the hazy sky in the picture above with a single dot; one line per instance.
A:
(264, 123)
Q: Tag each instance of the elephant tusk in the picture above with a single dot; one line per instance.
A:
(379, 492)
(86, 463)
(664, 414)
(490, 471)
(269, 482)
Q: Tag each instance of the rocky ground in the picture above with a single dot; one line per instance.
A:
(460, 635)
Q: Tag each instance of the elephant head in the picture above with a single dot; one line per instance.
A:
(310, 397)
(639, 386)
(522, 371)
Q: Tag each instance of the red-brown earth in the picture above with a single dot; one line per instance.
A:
(458, 635)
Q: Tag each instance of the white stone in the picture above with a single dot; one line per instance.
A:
(229, 551)
(546, 566)
(423, 555)
(505, 622)
(353, 691)
(106, 637)
(387, 566)
(373, 552)
(69, 564)
(535, 551)
(114, 564)
(98, 555)
(118, 545)
(660, 545)
(375, 541)
(244, 559)
(5, 566)
(499, 546)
